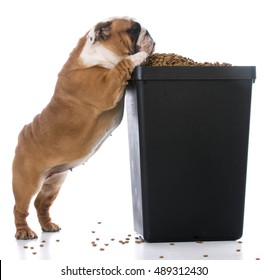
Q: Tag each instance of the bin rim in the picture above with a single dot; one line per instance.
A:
(194, 73)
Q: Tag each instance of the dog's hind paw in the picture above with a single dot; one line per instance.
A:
(25, 234)
(51, 227)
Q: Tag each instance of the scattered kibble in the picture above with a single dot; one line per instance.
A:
(238, 250)
(171, 244)
(25, 247)
(102, 249)
(205, 255)
(41, 245)
(257, 259)
(34, 253)
(57, 240)
(43, 241)
(161, 257)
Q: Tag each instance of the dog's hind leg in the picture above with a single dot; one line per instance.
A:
(25, 186)
(45, 199)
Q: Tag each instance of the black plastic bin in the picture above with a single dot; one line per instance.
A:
(188, 140)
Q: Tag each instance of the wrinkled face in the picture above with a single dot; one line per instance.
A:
(122, 36)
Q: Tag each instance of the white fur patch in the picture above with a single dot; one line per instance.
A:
(141, 36)
(97, 54)
(138, 58)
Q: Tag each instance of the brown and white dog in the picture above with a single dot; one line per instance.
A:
(86, 106)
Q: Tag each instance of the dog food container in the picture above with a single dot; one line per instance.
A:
(188, 140)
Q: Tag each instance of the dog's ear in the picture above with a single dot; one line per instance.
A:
(100, 32)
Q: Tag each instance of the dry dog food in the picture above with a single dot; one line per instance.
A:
(171, 59)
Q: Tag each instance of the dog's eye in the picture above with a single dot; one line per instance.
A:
(135, 29)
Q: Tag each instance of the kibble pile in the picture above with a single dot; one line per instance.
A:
(171, 59)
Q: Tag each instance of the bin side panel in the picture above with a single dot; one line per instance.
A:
(135, 161)
(194, 154)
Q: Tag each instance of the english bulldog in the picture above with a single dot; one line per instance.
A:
(86, 106)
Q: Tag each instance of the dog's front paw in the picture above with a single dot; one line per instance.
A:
(138, 58)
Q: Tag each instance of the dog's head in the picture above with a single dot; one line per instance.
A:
(112, 40)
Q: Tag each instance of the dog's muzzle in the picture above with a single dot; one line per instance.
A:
(145, 42)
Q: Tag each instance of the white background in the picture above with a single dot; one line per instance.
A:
(36, 39)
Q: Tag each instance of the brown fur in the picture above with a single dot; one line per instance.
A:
(86, 106)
